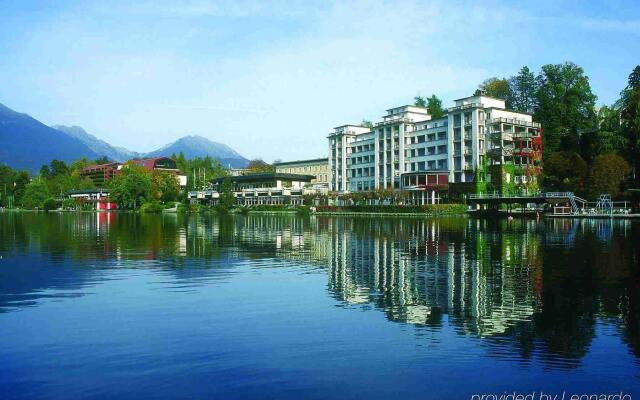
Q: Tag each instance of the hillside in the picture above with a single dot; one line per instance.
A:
(97, 145)
(198, 146)
(28, 144)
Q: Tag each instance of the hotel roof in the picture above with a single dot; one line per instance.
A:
(264, 177)
(313, 160)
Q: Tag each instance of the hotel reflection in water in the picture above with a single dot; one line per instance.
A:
(534, 281)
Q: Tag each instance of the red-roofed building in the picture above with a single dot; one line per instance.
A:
(158, 163)
(100, 174)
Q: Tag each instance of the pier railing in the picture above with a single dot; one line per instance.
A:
(498, 195)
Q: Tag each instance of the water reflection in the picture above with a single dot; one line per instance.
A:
(525, 289)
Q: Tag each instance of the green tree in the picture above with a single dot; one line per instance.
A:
(35, 193)
(565, 106)
(165, 186)
(434, 105)
(565, 171)
(420, 101)
(62, 178)
(630, 121)
(227, 199)
(131, 187)
(367, 124)
(79, 164)
(181, 162)
(607, 174)
(8, 179)
(523, 91)
(59, 167)
(498, 88)
(199, 171)
(102, 160)
(258, 166)
(45, 172)
(49, 204)
(22, 179)
(610, 139)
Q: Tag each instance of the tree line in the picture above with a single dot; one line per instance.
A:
(587, 149)
(131, 188)
(19, 189)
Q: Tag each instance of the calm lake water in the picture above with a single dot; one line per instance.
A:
(150, 306)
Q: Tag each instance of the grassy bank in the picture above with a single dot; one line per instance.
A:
(429, 209)
(380, 210)
(356, 210)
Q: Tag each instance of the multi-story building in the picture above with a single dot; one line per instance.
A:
(318, 167)
(100, 174)
(477, 146)
(339, 151)
(493, 149)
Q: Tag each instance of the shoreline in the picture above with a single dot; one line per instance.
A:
(466, 214)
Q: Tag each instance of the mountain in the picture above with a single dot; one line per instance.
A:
(98, 146)
(198, 146)
(28, 144)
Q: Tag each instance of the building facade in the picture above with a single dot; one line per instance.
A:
(318, 167)
(98, 198)
(478, 146)
(100, 174)
(339, 153)
(259, 189)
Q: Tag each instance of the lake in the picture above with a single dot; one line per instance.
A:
(167, 306)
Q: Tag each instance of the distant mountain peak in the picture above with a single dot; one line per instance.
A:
(97, 145)
(199, 146)
(29, 144)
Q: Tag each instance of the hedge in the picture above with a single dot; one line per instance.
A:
(151, 207)
(426, 209)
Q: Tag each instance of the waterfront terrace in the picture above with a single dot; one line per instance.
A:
(273, 188)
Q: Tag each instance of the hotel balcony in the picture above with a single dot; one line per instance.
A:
(393, 121)
(515, 122)
(466, 107)
(500, 151)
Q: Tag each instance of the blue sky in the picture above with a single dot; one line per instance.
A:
(272, 79)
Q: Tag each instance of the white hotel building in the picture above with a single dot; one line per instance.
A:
(409, 150)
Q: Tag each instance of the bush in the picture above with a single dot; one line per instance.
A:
(182, 208)
(303, 210)
(270, 207)
(151, 207)
(243, 210)
(220, 209)
(169, 205)
(70, 204)
(50, 204)
(426, 209)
